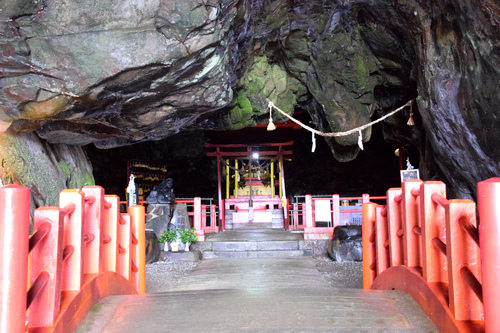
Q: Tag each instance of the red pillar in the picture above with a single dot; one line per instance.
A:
(381, 240)
(433, 226)
(124, 234)
(47, 258)
(411, 225)
(197, 214)
(138, 249)
(72, 267)
(308, 210)
(93, 217)
(335, 210)
(110, 230)
(368, 226)
(395, 227)
(488, 197)
(219, 190)
(14, 235)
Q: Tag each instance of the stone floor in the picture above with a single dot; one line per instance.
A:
(266, 295)
(162, 276)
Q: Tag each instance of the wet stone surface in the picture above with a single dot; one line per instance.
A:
(164, 275)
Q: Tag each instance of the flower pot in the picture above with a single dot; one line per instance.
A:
(174, 246)
(187, 246)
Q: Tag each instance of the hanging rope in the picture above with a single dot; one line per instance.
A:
(354, 130)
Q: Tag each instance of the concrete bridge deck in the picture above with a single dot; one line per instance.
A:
(258, 295)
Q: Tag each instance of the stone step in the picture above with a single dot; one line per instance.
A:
(250, 226)
(254, 243)
(238, 249)
(255, 254)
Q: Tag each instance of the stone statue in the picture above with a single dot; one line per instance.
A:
(163, 193)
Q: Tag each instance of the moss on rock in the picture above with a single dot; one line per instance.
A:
(264, 81)
(46, 169)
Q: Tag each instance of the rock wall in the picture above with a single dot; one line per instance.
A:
(123, 72)
(45, 168)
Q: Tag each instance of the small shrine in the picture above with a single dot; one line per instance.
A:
(254, 179)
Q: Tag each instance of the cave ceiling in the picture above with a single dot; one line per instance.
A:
(116, 72)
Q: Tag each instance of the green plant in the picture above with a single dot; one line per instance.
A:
(266, 181)
(242, 183)
(168, 236)
(188, 235)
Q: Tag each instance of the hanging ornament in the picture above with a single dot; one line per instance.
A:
(271, 126)
(313, 138)
(360, 140)
(411, 122)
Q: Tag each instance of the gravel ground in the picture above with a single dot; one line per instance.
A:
(163, 275)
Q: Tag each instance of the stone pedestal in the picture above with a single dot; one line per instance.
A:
(158, 218)
(193, 256)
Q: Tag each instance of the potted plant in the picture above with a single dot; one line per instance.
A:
(187, 236)
(170, 237)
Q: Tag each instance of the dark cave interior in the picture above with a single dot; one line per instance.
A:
(375, 169)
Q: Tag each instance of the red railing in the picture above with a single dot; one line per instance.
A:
(305, 212)
(430, 246)
(204, 216)
(80, 252)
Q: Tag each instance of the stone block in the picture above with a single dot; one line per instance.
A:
(193, 256)
(277, 245)
(235, 246)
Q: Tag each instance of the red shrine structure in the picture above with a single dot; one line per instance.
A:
(254, 178)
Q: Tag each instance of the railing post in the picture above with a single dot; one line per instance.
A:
(488, 198)
(409, 211)
(138, 249)
(197, 219)
(381, 239)
(462, 252)
(203, 217)
(286, 217)
(197, 214)
(295, 224)
(92, 233)
(433, 224)
(213, 218)
(47, 256)
(72, 266)
(394, 228)
(124, 246)
(368, 227)
(109, 248)
(14, 233)
(335, 210)
(222, 217)
(308, 209)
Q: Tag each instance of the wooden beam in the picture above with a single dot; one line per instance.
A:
(243, 145)
(237, 154)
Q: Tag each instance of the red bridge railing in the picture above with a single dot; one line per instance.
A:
(79, 253)
(431, 247)
(306, 213)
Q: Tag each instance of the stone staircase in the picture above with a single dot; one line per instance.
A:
(254, 241)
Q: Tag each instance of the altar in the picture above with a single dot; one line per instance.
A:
(254, 180)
